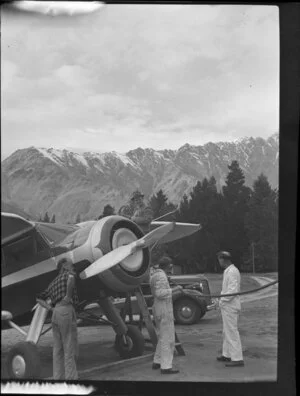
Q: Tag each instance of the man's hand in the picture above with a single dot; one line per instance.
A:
(44, 304)
(217, 303)
(221, 303)
(67, 300)
(178, 287)
(177, 290)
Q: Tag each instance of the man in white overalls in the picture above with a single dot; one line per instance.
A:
(163, 315)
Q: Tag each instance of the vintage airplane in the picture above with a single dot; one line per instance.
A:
(111, 255)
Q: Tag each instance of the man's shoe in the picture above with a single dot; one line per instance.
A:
(155, 366)
(235, 363)
(223, 359)
(169, 371)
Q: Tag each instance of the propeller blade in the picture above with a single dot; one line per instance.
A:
(157, 234)
(114, 257)
(109, 260)
(180, 230)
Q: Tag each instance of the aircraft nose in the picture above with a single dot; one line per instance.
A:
(124, 236)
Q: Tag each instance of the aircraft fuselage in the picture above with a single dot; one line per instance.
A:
(29, 261)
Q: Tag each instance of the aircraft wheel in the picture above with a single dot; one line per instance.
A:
(134, 345)
(23, 361)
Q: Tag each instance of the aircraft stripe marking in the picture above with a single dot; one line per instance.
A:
(33, 271)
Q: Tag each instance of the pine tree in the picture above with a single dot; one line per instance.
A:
(262, 226)
(46, 218)
(236, 201)
(184, 209)
(206, 208)
(78, 219)
(158, 202)
(53, 219)
(181, 248)
(160, 205)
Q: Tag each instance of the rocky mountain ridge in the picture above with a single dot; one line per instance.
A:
(66, 184)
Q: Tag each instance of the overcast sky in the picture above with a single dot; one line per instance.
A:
(131, 76)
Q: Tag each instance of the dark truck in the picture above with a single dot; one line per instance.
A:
(188, 307)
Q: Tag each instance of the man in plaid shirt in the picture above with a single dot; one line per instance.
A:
(63, 294)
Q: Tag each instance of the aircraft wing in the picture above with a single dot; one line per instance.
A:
(180, 230)
(157, 234)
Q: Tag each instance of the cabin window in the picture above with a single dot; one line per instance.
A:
(19, 252)
(81, 236)
(24, 252)
(40, 243)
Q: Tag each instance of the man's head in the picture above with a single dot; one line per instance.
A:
(224, 259)
(65, 264)
(165, 263)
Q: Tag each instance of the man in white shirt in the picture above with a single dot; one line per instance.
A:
(232, 353)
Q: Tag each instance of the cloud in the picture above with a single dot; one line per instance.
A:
(72, 75)
(148, 74)
(8, 72)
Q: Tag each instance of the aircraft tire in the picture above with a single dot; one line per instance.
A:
(135, 343)
(23, 361)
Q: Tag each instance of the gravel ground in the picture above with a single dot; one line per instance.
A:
(201, 342)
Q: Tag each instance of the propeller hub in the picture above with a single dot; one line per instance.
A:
(124, 236)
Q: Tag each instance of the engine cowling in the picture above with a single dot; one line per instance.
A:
(106, 235)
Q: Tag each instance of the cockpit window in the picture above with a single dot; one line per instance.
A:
(24, 252)
(41, 244)
(77, 238)
(82, 235)
(19, 252)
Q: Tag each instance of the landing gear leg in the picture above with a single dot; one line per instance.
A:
(129, 341)
(131, 344)
(23, 361)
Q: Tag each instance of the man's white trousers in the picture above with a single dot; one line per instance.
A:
(232, 346)
(166, 342)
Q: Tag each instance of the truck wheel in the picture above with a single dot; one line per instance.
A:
(186, 311)
(23, 361)
(134, 345)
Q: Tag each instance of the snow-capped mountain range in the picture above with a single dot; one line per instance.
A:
(66, 184)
